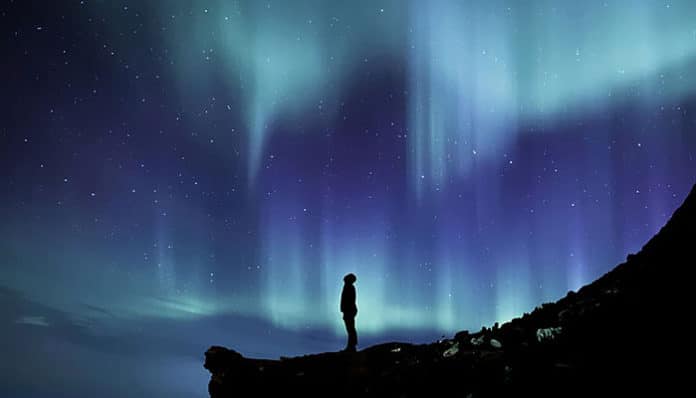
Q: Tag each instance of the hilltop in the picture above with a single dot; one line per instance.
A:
(623, 333)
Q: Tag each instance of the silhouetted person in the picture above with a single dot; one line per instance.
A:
(349, 310)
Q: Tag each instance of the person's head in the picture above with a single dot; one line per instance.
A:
(350, 278)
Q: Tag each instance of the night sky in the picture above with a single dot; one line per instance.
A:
(178, 174)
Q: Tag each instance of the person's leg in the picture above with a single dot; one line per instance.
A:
(355, 334)
(350, 328)
(352, 334)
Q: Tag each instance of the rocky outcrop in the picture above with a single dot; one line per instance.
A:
(626, 333)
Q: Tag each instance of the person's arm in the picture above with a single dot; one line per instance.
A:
(344, 300)
(353, 298)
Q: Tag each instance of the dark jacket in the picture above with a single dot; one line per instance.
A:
(348, 306)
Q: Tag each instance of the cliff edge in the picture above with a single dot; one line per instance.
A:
(625, 333)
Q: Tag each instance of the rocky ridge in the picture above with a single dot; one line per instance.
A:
(622, 334)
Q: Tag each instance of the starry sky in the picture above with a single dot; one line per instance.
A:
(177, 174)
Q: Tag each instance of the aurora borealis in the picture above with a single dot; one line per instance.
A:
(177, 174)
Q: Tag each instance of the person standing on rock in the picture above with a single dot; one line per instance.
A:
(349, 310)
